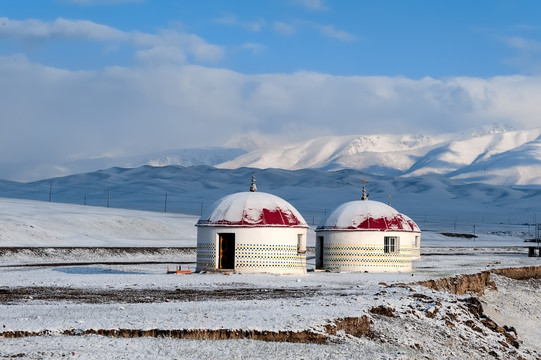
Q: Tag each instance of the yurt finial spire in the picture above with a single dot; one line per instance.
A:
(365, 195)
(253, 188)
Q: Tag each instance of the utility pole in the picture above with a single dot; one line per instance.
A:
(108, 195)
(50, 191)
(537, 234)
(165, 206)
(534, 227)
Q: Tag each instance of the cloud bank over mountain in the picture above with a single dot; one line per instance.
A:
(63, 114)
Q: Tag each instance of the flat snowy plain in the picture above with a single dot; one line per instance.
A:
(75, 289)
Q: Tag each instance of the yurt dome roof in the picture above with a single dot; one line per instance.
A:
(367, 215)
(252, 209)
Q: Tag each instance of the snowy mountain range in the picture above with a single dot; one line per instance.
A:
(494, 155)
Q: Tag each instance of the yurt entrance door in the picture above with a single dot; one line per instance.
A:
(319, 252)
(227, 251)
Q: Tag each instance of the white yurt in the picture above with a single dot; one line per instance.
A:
(367, 236)
(252, 232)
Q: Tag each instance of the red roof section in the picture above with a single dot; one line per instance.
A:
(252, 209)
(367, 215)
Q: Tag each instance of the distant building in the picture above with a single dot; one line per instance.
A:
(252, 232)
(367, 235)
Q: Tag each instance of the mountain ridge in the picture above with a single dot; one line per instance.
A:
(496, 154)
(494, 151)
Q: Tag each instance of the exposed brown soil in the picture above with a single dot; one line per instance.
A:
(107, 296)
(522, 273)
(354, 326)
(461, 284)
(382, 310)
(476, 308)
(477, 283)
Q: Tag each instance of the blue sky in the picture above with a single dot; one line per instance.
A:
(93, 78)
(409, 38)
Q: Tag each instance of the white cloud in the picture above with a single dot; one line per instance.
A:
(523, 44)
(231, 20)
(171, 44)
(329, 31)
(33, 29)
(283, 28)
(159, 55)
(332, 32)
(50, 114)
(254, 48)
(189, 43)
(255, 25)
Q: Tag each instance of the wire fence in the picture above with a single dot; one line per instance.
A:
(191, 202)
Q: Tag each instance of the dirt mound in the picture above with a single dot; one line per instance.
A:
(461, 284)
(521, 273)
(477, 283)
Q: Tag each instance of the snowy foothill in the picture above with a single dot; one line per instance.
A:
(73, 287)
(43, 224)
(494, 154)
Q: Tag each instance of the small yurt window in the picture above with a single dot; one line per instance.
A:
(301, 244)
(390, 244)
(417, 241)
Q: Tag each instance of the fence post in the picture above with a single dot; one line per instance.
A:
(108, 195)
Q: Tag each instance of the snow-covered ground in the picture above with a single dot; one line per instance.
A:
(36, 223)
(67, 295)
